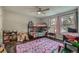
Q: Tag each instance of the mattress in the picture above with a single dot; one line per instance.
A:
(41, 45)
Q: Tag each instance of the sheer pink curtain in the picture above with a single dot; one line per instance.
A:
(75, 21)
(58, 21)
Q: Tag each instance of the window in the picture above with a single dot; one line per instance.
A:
(52, 27)
(67, 21)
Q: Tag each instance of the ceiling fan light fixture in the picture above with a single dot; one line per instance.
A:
(39, 12)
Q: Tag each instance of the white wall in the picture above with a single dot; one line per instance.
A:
(16, 21)
(1, 25)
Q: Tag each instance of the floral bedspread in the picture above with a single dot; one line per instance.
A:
(42, 45)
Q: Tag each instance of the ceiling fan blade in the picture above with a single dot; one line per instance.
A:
(45, 9)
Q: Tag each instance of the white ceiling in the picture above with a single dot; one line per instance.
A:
(31, 10)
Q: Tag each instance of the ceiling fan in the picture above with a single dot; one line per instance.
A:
(41, 11)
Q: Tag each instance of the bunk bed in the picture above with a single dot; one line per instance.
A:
(37, 30)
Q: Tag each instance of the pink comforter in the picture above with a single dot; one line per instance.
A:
(42, 45)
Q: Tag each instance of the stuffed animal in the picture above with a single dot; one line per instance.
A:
(22, 36)
(2, 49)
